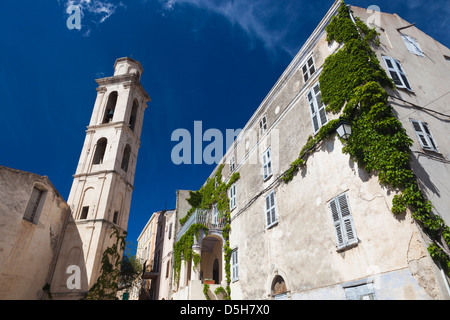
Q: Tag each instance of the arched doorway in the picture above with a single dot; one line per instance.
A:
(279, 289)
(211, 262)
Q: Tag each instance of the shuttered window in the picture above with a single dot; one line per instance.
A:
(215, 215)
(263, 125)
(396, 72)
(343, 221)
(234, 265)
(32, 210)
(271, 215)
(233, 196)
(308, 69)
(412, 45)
(267, 164)
(424, 135)
(316, 108)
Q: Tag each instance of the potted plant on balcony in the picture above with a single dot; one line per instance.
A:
(209, 281)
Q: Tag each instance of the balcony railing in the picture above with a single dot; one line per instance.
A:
(212, 219)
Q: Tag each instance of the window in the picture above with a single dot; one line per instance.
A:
(110, 107)
(412, 45)
(170, 231)
(84, 213)
(116, 216)
(100, 151)
(232, 164)
(316, 108)
(343, 221)
(308, 69)
(215, 215)
(395, 70)
(126, 158)
(271, 214)
(233, 196)
(360, 292)
(423, 132)
(133, 115)
(267, 164)
(34, 205)
(234, 265)
(262, 125)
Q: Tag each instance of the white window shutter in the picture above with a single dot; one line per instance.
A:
(271, 215)
(337, 223)
(317, 108)
(343, 221)
(412, 45)
(424, 135)
(396, 72)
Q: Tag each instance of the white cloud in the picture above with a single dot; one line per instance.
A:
(97, 11)
(254, 17)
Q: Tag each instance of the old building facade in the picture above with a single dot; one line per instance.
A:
(330, 233)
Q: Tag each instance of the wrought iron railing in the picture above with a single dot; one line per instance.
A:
(214, 220)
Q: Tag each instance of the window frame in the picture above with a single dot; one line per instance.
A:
(344, 225)
(400, 79)
(267, 164)
(263, 124)
(34, 207)
(271, 211)
(316, 107)
(234, 265)
(233, 203)
(308, 73)
(424, 136)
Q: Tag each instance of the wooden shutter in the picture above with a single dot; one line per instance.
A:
(270, 209)
(412, 45)
(317, 108)
(267, 164)
(343, 221)
(234, 257)
(396, 71)
(313, 111)
(424, 135)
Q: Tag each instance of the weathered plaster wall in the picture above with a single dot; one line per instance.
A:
(27, 250)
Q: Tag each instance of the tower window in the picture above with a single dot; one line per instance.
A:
(116, 216)
(100, 151)
(34, 205)
(133, 116)
(110, 107)
(126, 158)
(84, 213)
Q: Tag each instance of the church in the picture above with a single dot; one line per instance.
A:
(51, 248)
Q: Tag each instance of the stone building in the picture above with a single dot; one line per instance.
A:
(330, 233)
(33, 217)
(56, 246)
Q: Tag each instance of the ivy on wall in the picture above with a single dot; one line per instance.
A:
(215, 191)
(108, 282)
(353, 82)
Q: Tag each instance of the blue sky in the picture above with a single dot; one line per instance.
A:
(204, 60)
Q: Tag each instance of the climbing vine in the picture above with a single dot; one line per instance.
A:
(107, 283)
(215, 191)
(352, 81)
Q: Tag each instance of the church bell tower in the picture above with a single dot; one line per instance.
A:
(100, 196)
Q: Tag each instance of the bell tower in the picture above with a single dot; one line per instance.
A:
(100, 196)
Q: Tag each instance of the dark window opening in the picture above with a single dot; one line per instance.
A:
(110, 107)
(84, 213)
(100, 151)
(126, 158)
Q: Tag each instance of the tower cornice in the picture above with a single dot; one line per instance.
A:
(123, 78)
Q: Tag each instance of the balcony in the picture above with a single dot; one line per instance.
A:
(213, 219)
